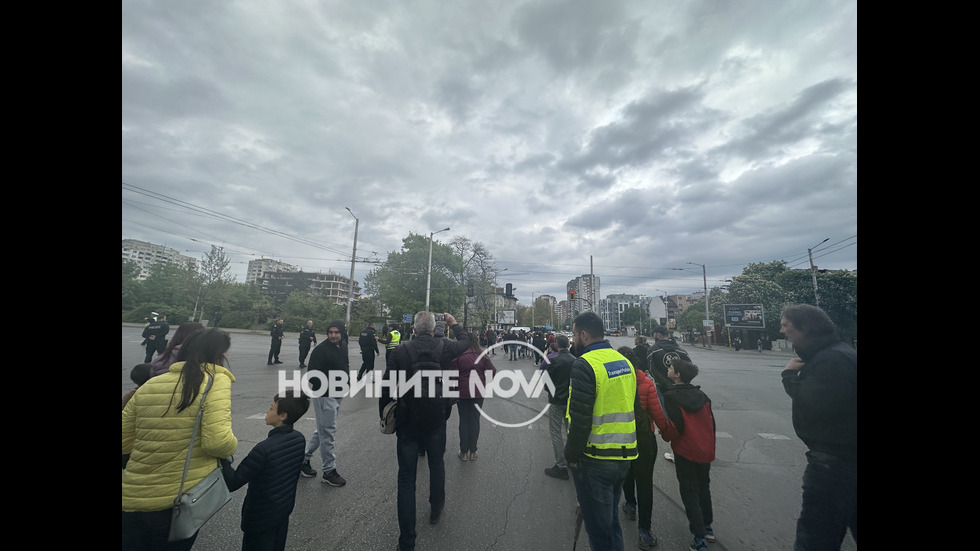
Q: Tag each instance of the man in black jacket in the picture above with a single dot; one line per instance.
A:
(558, 370)
(276, 345)
(327, 358)
(823, 385)
(307, 340)
(417, 432)
(663, 351)
(368, 341)
(156, 337)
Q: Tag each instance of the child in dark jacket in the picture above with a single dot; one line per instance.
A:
(691, 434)
(271, 471)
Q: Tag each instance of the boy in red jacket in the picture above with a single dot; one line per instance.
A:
(691, 434)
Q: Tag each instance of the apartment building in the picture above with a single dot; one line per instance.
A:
(147, 255)
(260, 266)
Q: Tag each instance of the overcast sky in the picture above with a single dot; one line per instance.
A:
(646, 138)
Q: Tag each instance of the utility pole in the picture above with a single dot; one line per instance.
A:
(353, 255)
(707, 316)
(813, 272)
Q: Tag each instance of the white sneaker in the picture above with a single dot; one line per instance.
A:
(669, 457)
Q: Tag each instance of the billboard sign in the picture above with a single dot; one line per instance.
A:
(507, 317)
(744, 316)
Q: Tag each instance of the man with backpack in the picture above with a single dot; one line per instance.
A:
(421, 415)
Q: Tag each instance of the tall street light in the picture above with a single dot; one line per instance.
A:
(428, 277)
(813, 271)
(350, 295)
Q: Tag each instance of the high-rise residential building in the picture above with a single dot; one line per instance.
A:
(147, 255)
(586, 289)
(260, 266)
(612, 307)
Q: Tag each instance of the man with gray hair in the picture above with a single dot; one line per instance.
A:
(421, 419)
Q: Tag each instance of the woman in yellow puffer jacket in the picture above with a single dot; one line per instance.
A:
(156, 430)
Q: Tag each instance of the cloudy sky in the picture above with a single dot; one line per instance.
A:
(636, 140)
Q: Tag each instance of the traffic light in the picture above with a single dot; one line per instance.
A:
(571, 294)
(469, 288)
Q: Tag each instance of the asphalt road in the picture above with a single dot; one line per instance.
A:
(503, 501)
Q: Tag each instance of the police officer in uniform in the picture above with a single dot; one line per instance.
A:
(601, 441)
(156, 337)
(307, 340)
(368, 341)
(276, 345)
(391, 341)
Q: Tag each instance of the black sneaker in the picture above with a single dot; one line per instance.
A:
(268, 363)
(557, 472)
(306, 470)
(277, 361)
(333, 478)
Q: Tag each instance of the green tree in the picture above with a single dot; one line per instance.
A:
(636, 316)
(215, 275)
(400, 281)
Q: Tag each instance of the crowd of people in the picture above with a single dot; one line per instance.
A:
(606, 411)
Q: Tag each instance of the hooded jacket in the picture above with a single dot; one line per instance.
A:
(328, 357)
(824, 393)
(691, 431)
(156, 437)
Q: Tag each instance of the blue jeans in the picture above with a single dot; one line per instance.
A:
(598, 485)
(829, 503)
(326, 410)
(469, 423)
(513, 351)
(410, 442)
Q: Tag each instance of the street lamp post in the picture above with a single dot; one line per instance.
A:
(428, 277)
(350, 294)
(532, 309)
(813, 271)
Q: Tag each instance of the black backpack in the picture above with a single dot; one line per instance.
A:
(423, 411)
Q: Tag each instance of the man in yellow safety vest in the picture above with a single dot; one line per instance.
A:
(391, 340)
(601, 430)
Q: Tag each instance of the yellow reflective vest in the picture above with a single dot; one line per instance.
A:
(395, 338)
(613, 434)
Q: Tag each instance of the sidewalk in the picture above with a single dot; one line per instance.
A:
(780, 352)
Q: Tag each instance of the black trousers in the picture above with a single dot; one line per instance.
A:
(273, 539)
(274, 349)
(640, 479)
(367, 360)
(302, 354)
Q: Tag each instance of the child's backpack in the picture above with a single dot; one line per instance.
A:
(427, 408)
